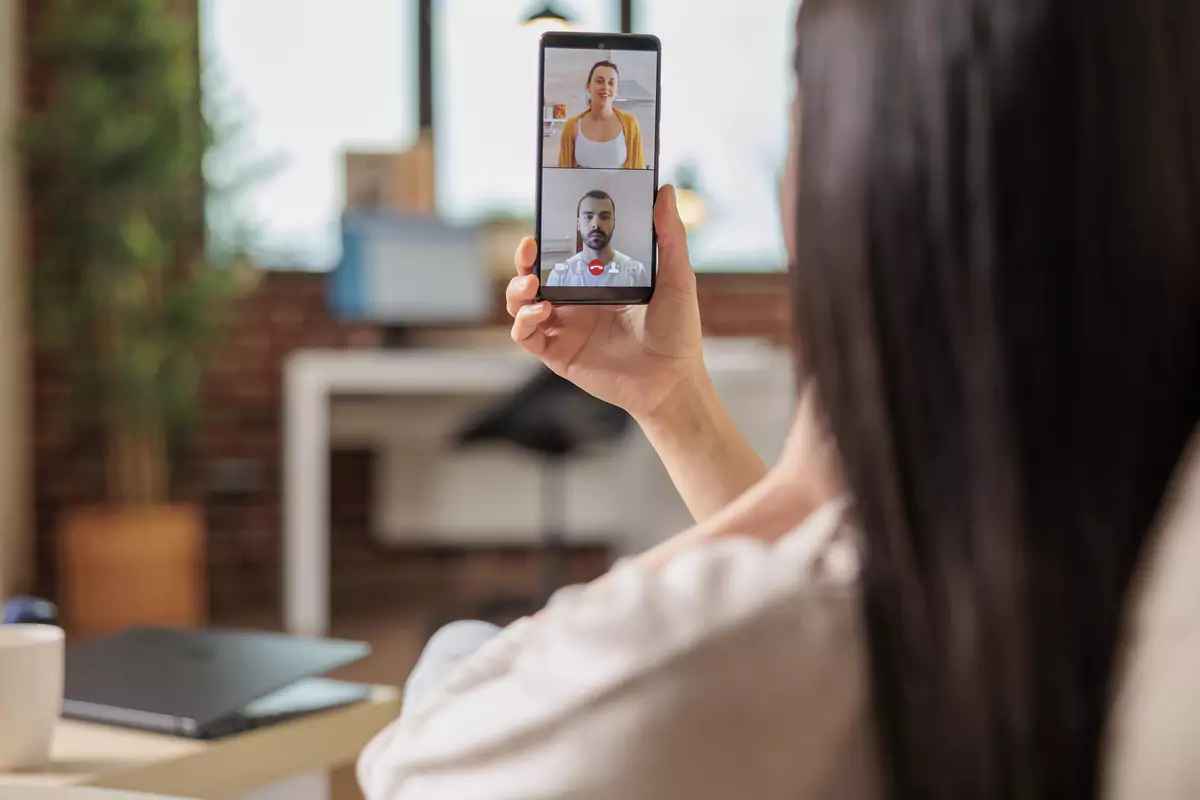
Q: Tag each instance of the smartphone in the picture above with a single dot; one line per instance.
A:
(597, 177)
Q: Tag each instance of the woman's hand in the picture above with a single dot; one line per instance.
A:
(635, 357)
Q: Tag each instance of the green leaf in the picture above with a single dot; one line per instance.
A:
(117, 158)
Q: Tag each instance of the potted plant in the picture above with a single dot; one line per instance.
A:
(127, 290)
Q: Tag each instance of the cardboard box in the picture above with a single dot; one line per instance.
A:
(397, 181)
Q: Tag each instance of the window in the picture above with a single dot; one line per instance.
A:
(313, 78)
(726, 91)
(485, 102)
(306, 80)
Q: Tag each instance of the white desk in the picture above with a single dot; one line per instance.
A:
(97, 757)
(76, 793)
(755, 380)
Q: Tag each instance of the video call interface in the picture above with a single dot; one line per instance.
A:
(598, 116)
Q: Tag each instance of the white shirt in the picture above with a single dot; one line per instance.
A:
(735, 671)
(602, 155)
(739, 670)
(620, 271)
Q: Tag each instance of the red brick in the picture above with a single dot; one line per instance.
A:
(242, 412)
(242, 397)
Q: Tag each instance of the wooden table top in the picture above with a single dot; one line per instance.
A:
(100, 756)
(77, 793)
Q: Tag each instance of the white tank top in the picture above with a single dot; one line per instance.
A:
(605, 155)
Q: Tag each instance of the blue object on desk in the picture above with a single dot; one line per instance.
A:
(24, 610)
(410, 271)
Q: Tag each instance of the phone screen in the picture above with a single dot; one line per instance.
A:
(597, 167)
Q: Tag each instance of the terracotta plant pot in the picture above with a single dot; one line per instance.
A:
(120, 567)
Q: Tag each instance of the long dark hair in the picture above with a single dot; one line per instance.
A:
(998, 294)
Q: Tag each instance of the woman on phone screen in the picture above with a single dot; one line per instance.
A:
(602, 137)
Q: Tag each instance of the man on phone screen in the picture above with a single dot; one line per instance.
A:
(598, 264)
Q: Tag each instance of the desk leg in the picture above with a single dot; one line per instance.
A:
(343, 784)
(306, 506)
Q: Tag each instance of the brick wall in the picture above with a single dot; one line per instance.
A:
(234, 465)
(746, 305)
(243, 425)
(234, 468)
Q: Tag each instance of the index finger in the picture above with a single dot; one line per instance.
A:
(525, 257)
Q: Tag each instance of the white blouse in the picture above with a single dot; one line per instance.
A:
(739, 670)
(604, 155)
(736, 670)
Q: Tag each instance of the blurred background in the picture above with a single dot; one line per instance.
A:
(264, 378)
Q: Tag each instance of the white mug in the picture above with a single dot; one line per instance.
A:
(31, 691)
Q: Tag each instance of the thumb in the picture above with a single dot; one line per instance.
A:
(673, 262)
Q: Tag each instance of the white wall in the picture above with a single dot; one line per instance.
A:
(566, 75)
(14, 377)
(632, 192)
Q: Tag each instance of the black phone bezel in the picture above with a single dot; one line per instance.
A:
(597, 295)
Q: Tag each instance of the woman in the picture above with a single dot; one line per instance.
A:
(602, 137)
(981, 584)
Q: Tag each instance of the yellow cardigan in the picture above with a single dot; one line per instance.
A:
(635, 157)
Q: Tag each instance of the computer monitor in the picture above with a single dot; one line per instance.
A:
(408, 271)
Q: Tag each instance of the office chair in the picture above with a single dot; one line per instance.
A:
(551, 417)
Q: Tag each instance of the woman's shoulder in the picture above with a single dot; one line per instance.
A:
(797, 595)
(627, 119)
(737, 668)
(743, 587)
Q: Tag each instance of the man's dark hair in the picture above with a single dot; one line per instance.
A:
(997, 286)
(598, 194)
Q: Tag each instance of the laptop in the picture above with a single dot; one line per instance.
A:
(205, 684)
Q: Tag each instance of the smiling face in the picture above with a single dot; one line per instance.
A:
(597, 219)
(602, 86)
